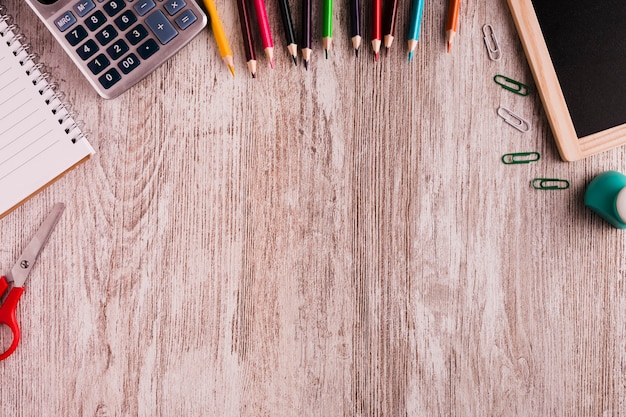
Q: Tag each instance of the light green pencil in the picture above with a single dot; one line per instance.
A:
(327, 25)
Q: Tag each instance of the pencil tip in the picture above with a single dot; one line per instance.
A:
(232, 70)
(272, 64)
(306, 65)
(356, 52)
(295, 61)
(326, 51)
(410, 56)
(254, 75)
(449, 46)
(376, 57)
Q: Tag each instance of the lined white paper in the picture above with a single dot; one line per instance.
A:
(35, 147)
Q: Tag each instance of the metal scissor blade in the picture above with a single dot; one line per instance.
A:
(21, 269)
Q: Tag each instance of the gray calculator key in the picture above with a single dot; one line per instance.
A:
(64, 21)
(162, 28)
(173, 6)
(144, 6)
(83, 7)
(186, 19)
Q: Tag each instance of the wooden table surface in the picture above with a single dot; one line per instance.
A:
(343, 241)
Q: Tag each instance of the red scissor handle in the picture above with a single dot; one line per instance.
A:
(7, 314)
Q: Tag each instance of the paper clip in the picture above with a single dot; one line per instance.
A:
(491, 42)
(550, 184)
(520, 158)
(513, 119)
(512, 85)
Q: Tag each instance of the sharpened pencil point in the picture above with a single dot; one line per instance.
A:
(293, 51)
(253, 75)
(376, 57)
(326, 52)
(410, 56)
(232, 70)
(306, 65)
(356, 52)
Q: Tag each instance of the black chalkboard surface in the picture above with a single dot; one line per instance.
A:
(577, 53)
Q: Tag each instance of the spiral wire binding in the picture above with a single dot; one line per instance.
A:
(36, 70)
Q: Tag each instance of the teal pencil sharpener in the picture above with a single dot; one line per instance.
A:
(606, 195)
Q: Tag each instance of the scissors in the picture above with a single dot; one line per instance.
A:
(12, 285)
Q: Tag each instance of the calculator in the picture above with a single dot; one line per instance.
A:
(116, 43)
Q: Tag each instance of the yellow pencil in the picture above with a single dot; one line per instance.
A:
(220, 36)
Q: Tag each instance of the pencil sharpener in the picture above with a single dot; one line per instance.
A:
(606, 195)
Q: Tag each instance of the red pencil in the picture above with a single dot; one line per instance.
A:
(377, 26)
(264, 27)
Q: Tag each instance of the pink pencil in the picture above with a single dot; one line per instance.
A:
(264, 27)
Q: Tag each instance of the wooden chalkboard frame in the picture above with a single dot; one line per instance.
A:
(571, 147)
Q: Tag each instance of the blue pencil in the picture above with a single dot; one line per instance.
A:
(417, 10)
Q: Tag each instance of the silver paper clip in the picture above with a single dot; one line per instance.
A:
(491, 42)
(513, 119)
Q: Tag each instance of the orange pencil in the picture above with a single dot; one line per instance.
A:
(452, 24)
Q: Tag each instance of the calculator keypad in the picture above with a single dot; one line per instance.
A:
(113, 38)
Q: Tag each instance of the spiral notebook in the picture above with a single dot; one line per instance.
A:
(40, 139)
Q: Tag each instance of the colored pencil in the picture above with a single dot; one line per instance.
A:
(327, 25)
(246, 33)
(264, 27)
(452, 24)
(305, 39)
(355, 25)
(390, 22)
(377, 17)
(290, 36)
(415, 22)
(220, 36)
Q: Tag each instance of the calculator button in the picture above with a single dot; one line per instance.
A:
(125, 20)
(96, 20)
(162, 28)
(109, 78)
(98, 64)
(118, 49)
(87, 49)
(129, 63)
(84, 7)
(106, 35)
(148, 48)
(65, 21)
(144, 6)
(174, 6)
(186, 19)
(136, 34)
(113, 7)
(76, 35)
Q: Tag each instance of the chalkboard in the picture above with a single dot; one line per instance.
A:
(577, 52)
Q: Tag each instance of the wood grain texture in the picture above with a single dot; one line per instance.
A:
(338, 242)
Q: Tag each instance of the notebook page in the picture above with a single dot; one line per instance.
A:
(35, 147)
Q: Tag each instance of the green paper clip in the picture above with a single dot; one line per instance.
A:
(512, 85)
(550, 184)
(520, 158)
